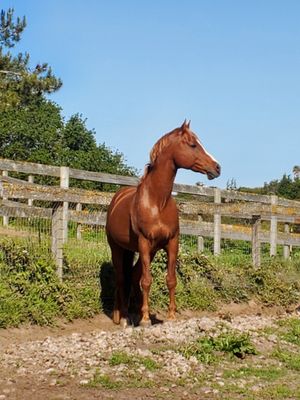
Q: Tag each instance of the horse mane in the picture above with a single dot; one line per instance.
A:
(157, 149)
(160, 145)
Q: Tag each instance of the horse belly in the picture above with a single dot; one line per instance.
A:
(118, 223)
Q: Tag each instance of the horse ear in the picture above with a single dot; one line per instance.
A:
(185, 125)
(188, 124)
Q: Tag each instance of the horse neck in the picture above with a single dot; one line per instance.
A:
(158, 183)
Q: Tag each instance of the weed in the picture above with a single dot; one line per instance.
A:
(292, 330)
(265, 373)
(120, 357)
(205, 349)
(103, 380)
(289, 359)
(31, 292)
(148, 363)
(235, 343)
(278, 392)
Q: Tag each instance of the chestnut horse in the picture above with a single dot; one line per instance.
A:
(144, 219)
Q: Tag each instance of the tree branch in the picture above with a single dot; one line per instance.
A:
(10, 73)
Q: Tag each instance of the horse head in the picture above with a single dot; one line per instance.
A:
(189, 153)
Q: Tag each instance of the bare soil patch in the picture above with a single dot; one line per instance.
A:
(83, 359)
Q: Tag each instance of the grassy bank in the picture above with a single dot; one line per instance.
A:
(31, 292)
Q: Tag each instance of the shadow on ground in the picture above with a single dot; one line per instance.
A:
(107, 293)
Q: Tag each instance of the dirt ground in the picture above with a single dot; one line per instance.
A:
(59, 362)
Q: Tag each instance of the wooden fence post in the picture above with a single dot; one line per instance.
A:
(30, 180)
(58, 239)
(256, 222)
(64, 183)
(200, 240)
(217, 223)
(79, 226)
(273, 228)
(5, 217)
(286, 248)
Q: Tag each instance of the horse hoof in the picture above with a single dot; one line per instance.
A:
(124, 323)
(171, 318)
(116, 317)
(145, 323)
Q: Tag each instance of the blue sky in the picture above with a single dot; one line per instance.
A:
(137, 69)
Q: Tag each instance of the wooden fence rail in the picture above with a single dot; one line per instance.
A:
(206, 201)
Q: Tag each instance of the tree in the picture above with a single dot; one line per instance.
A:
(31, 126)
(80, 150)
(19, 84)
(284, 187)
(231, 184)
(76, 136)
(296, 172)
(10, 31)
(31, 133)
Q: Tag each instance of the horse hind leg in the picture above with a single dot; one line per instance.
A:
(172, 251)
(122, 260)
(136, 299)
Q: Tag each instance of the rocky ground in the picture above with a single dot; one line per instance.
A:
(96, 360)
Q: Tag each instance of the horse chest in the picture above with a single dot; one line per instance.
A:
(157, 226)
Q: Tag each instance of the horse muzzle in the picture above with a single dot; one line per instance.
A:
(214, 173)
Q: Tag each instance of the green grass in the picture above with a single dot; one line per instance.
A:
(31, 292)
(279, 392)
(108, 382)
(104, 381)
(121, 357)
(270, 373)
(206, 349)
(290, 359)
(291, 331)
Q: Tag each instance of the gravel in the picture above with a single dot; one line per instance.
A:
(82, 355)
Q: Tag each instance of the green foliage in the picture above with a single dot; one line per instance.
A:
(284, 187)
(32, 127)
(32, 133)
(193, 290)
(292, 330)
(30, 290)
(10, 31)
(19, 84)
(270, 373)
(33, 291)
(103, 380)
(276, 282)
(203, 282)
(121, 357)
(206, 348)
(290, 359)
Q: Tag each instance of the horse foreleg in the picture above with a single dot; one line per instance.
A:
(146, 278)
(137, 296)
(172, 251)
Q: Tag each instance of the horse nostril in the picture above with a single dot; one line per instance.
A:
(218, 168)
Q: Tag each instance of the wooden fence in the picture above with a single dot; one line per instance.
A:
(19, 199)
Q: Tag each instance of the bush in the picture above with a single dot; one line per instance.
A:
(30, 290)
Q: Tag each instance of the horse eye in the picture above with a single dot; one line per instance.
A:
(193, 145)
